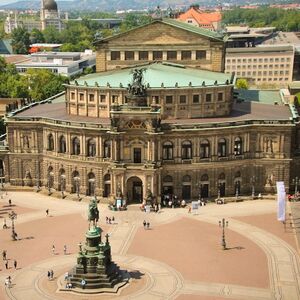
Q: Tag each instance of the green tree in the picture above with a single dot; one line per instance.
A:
(36, 36)
(52, 35)
(242, 84)
(20, 40)
(44, 84)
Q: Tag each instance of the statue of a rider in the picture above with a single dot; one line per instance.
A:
(93, 212)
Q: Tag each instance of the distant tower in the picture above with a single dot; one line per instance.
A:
(50, 15)
(43, 15)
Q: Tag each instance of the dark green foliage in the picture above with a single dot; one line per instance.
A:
(36, 36)
(20, 41)
(34, 84)
(284, 20)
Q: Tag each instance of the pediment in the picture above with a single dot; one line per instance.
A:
(158, 34)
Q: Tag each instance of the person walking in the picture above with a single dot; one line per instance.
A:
(9, 202)
(53, 249)
(47, 212)
(148, 225)
(51, 274)
(83, 283)
(65, 249)
(144, 223)
(15, 264)
(4, 254)
(6, 264)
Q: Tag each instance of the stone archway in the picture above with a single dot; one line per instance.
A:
(134, 187)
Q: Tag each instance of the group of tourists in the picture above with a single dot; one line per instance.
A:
(172, 201)
(6, 261)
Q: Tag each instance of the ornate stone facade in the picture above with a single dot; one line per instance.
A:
(91, 146)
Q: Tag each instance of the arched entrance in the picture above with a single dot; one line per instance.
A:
(91, 184)
(134, 190)
(107, 185)
(50, 177)
(62, 180)
(75, 182)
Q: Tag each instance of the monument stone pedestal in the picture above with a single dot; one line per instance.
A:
(94, 264)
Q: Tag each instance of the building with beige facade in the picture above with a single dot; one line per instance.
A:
(262, 64)
(162, 40)
(160, 127)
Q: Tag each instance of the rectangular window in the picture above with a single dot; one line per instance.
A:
(102, 98)
(115, 55)
(208, 97)
(72, 96)
(196, 99)
(186, 55)
(200, 54)
(169, 99)
(91, 97)
(171, 55)
(129, 55)
(157, 55)
(81, 96)
(114, 98)
(182, 99)
(220, 96)
(143, 55)
(137, 155)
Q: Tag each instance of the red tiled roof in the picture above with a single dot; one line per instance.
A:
(202, 18)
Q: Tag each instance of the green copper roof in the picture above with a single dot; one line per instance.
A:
(174, 23)
(156, 74)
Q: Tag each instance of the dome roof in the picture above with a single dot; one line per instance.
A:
(50, 5)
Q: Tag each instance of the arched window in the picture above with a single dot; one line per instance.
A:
(237, 174)
(75, 182)
(167, 151)
(186, 150)
(76, 146)
(204, 149)
(221, 176)
(62, 144)
(238, 146)
(50, 142)
(222, 148)
(107, 149)
(204, 177)
(91, 148)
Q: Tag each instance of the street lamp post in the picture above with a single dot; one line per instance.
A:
(253, 186)
(296, 182)
(12, 215)
(223, 224)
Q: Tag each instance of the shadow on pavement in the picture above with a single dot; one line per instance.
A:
(237, 248)
(136, 274)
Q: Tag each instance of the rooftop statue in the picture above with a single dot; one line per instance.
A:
(137, 88)
(93, 212)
